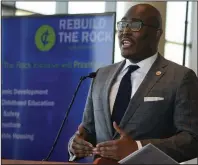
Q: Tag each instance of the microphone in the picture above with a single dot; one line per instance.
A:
(91, 75)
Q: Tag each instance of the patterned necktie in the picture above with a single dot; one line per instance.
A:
(123, 96)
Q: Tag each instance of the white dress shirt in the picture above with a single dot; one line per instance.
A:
(136, 79)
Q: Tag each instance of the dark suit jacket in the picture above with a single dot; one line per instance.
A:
(170, 124)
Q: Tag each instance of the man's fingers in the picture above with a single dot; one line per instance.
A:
(77, 146)
(105, 148)
(108, 155)
(107, 152)
(81, 148)
(81, 155)
(108, 148)
(82, 152)
(80, 141)
(118, 129)
(106, 144)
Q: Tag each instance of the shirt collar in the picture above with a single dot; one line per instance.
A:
(144, 65)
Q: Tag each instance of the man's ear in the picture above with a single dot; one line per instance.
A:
(158, 34)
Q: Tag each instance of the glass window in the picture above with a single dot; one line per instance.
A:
(86, 7)
(174, 34)
(41, 7)
(175, 21)
(174, 52)
(120, 11)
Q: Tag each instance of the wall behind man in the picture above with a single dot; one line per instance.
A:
(161, 6)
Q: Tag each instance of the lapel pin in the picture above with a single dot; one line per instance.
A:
(158, 73)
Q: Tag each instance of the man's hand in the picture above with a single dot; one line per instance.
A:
(79, 146)
(116, 149)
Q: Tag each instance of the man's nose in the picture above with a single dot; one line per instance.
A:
(127, 30)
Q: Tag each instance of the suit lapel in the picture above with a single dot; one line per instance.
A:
(112, 75)
(155, 73)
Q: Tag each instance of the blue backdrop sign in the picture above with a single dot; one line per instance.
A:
(43, 58)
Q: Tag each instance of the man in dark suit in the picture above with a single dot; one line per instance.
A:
(143, 99)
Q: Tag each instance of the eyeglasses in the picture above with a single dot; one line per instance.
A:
(135, 26)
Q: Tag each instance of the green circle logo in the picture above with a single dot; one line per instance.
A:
(45, 38)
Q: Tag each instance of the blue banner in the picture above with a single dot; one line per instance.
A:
(43, 58)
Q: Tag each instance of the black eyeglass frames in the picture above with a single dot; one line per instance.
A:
(133, 25)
